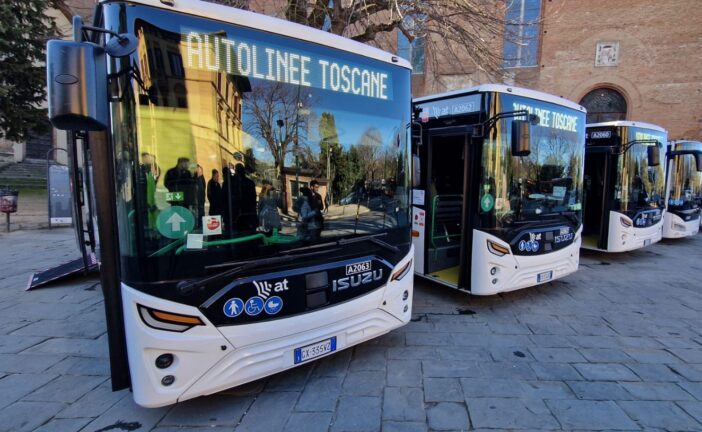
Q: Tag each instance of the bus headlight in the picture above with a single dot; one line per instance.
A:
(497, 249)
(626, 223)
(402, 272)
(168, 321)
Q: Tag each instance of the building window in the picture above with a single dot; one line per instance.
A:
(176, 64)
(603, 105)
(521, 41)
(412, 52)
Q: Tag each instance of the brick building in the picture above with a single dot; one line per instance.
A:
(624, 59)
(633, 59)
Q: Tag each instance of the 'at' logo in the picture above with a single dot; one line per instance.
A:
(264, 289)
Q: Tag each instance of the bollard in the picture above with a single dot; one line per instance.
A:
(8, 203)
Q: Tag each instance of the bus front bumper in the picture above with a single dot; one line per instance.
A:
(208, 359)
(624, 239)
(675, 227)
(493, 274)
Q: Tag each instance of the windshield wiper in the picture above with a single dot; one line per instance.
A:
(571, 215)
(344, 241)
(373, 238)
(189, 286)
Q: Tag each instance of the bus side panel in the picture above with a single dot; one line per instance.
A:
(418, 237)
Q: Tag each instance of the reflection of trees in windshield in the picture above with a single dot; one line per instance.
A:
(548, 185)
(639, 185)
(279, 115)
(544, 184)
(685, 182)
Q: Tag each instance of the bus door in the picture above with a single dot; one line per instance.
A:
(447, 174)
(597, 196)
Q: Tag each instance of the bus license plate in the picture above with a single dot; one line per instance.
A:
(544, 277)
(647, 242)
(315, 350)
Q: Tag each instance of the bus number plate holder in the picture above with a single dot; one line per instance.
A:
(315, 350)
(544, 277)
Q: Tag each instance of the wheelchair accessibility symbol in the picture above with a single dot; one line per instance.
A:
(253, 306)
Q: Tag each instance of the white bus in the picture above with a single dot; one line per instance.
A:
(624, 185)
(683, 189)
(215, 135)
(499, 206)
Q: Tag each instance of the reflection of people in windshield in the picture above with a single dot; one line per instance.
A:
(317, 203)
(148, 164)
(308, 227)
(148, 174)
(199, 195)
(268, 217)
(214, 194)
(638, 192)
(180, 179)
(242, 192)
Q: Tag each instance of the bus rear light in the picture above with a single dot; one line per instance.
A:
(402, 272)
(497, 249)
(625, 222)
(167, 320)
(415, 233)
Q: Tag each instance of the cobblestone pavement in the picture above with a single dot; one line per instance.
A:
(617, 345)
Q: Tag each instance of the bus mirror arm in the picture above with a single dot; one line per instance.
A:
(120, 45)
(480, 129)
(654, 155)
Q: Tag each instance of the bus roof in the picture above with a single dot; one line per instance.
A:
(686, 145)
(502, 88)
(618, 123)
(270, 24)
(686, 141)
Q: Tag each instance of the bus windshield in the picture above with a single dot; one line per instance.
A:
(640, 186)
(547, 184)
(685, 180)
(233, 143)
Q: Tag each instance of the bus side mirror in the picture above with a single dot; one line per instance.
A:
(521, 145)
(416, 171)
(77, 85)
(654, 155)
(698, 161)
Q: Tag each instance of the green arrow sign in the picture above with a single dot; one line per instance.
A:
(175, 222)
(487, 202)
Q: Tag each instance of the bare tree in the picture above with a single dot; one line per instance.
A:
(280, 119)
(368, 148)
(458, 29)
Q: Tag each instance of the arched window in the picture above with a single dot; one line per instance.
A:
(603, 105)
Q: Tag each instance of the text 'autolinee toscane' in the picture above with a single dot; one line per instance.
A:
(256, 61)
